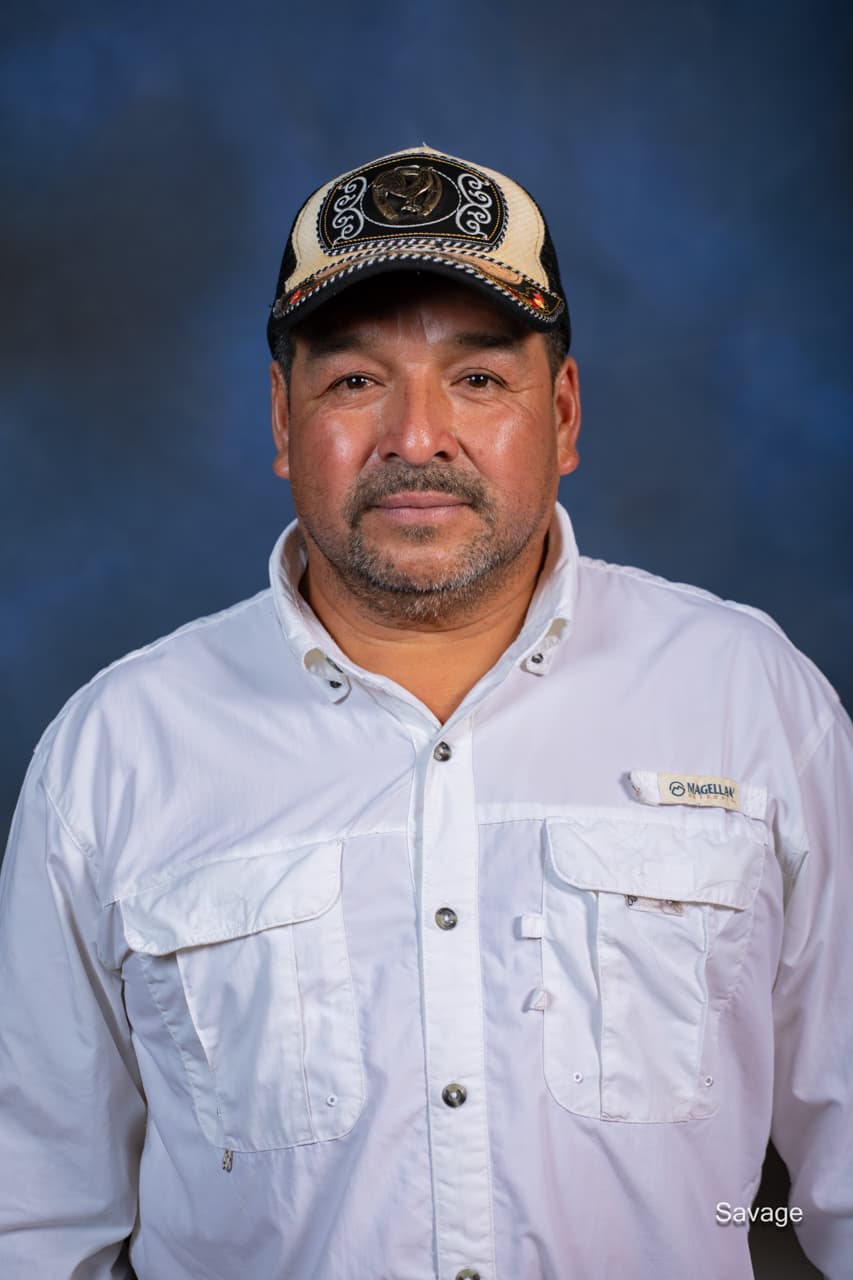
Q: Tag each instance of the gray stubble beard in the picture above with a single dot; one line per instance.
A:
(390, 594)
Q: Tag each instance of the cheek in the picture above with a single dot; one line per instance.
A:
(517, 453)
(325, 459)
(340, 441)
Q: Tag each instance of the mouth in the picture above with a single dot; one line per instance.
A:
(431, 505)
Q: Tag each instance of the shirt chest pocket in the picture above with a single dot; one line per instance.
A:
(247, 961)
(645, 925)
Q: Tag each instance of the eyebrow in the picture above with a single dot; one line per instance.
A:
(322, 346)
(488, 341)
(318, 348)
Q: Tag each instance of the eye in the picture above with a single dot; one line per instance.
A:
(353, 382)
(479, 380)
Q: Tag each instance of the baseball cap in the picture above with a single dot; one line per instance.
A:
(422, 210)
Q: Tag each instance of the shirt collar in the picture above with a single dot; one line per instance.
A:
(548, 619)
(550, 612)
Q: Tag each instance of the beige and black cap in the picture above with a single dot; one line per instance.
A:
(421, 210)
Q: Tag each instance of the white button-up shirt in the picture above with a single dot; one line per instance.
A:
(300, 984)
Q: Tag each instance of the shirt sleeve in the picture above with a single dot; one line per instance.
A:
(813, 1009)
(71, 1101)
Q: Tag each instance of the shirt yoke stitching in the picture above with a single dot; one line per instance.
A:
(196, 624)
(815, 735)
(687, 589)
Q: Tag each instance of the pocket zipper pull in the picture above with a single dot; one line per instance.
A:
(228, 1160)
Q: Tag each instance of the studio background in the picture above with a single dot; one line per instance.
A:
(692, 158)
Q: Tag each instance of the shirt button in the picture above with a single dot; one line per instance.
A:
(537, 658)
(454, 1094)
(446, 918)
(442, 752)
(467, 1274)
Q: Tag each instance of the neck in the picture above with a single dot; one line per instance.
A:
(440, 661)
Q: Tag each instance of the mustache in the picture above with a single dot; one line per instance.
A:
(403, 478)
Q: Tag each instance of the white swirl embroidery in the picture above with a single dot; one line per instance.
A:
(476, 210)
(348, 218)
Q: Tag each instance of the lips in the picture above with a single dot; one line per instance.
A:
(419, 501)
(419, 508)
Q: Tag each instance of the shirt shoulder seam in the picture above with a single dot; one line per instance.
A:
(83, 847)
(687, 589)
(812, 741)
(818, 731)
(699, 593)
(195, 624)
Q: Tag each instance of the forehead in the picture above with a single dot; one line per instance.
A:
(397, 297)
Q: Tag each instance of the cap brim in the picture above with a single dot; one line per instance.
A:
(529, 302)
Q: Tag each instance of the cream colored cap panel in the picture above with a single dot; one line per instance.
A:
(518, 248)
(521, 247)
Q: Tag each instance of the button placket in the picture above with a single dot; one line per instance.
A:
(453, 1014)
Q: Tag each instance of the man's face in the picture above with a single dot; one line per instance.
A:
(423, 436)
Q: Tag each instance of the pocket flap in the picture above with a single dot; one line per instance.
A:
(232, 898)
(697, 858)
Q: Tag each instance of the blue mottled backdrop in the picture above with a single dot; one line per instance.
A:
(693, 159)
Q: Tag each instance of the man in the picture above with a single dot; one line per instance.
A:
(458, 907)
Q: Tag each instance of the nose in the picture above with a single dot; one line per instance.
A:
(417, 423)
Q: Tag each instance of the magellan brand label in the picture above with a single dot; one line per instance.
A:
(699, 789)
(703, 790)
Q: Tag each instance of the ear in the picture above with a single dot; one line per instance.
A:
(280, 406)
(567, 415)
